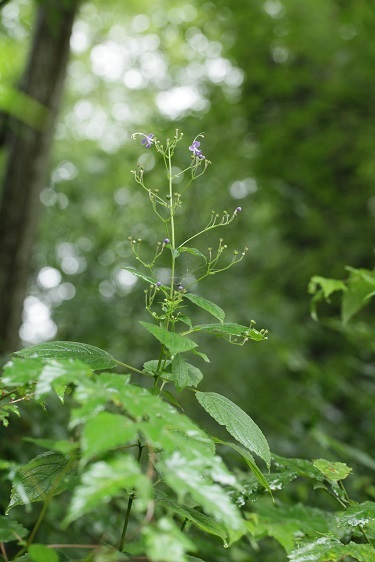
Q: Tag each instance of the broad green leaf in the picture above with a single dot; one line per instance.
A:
(41, 553)
(194, 477)
(45, 476)
(174, 342)
(327, 549)
(199, 519)
(207, 305)
(22, 372)
(357, 515)
(104, 432)
(249, 459)
(95, 394)
(230, 330)
(194, 559)
(11, 530)
(332, 470)
(89, 354)
(237, 422)
(165, 542)
(57, 374)
(140, 275)
(183, 374)
(104, 480)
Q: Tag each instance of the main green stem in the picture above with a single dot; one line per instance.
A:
(171, 215)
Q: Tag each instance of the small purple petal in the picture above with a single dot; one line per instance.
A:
(147, 140)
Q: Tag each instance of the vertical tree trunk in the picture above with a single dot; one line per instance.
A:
(27, 160)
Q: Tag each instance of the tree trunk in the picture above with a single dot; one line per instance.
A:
(27, 161)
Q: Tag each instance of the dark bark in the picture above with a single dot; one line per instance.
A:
(27, 160)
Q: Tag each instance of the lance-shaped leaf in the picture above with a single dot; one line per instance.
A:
(194, 477)
(202, 521)
(140, 275)
(193, 252)
(174, 342)
(207, 305)
(45, 476)
(249, 459)
(237, 422)
(96, 358)
(11, 530)
(229, 329)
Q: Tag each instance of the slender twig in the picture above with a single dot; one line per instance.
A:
(3, 552)
(129, 508)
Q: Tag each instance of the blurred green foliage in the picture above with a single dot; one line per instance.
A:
(285, 94)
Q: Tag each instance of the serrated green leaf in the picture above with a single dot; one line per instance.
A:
(104, 432)
(11, 530)
(332, 470)
(193, 476)
(237, 422)
(183, 374)
(330, 549)
(45, 476)
(95, 394)
(57, 374)
(96, 358)
(41, 553)
(357, 515)
(104, 480)
(206, 305)
(229, 329)
(140, 275)
(165, 542)
(174, 342)
(199, 519)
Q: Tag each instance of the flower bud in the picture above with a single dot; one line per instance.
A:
(166, 241)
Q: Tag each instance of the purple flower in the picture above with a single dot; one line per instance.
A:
(158, 284)
(166, 241)
(180, 288)
(194, 148)
(147, 140)
(238, 210)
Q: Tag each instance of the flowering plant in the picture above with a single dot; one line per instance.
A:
(147, 478)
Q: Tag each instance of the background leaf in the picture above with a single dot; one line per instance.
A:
(11, 530)
(41, 553)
